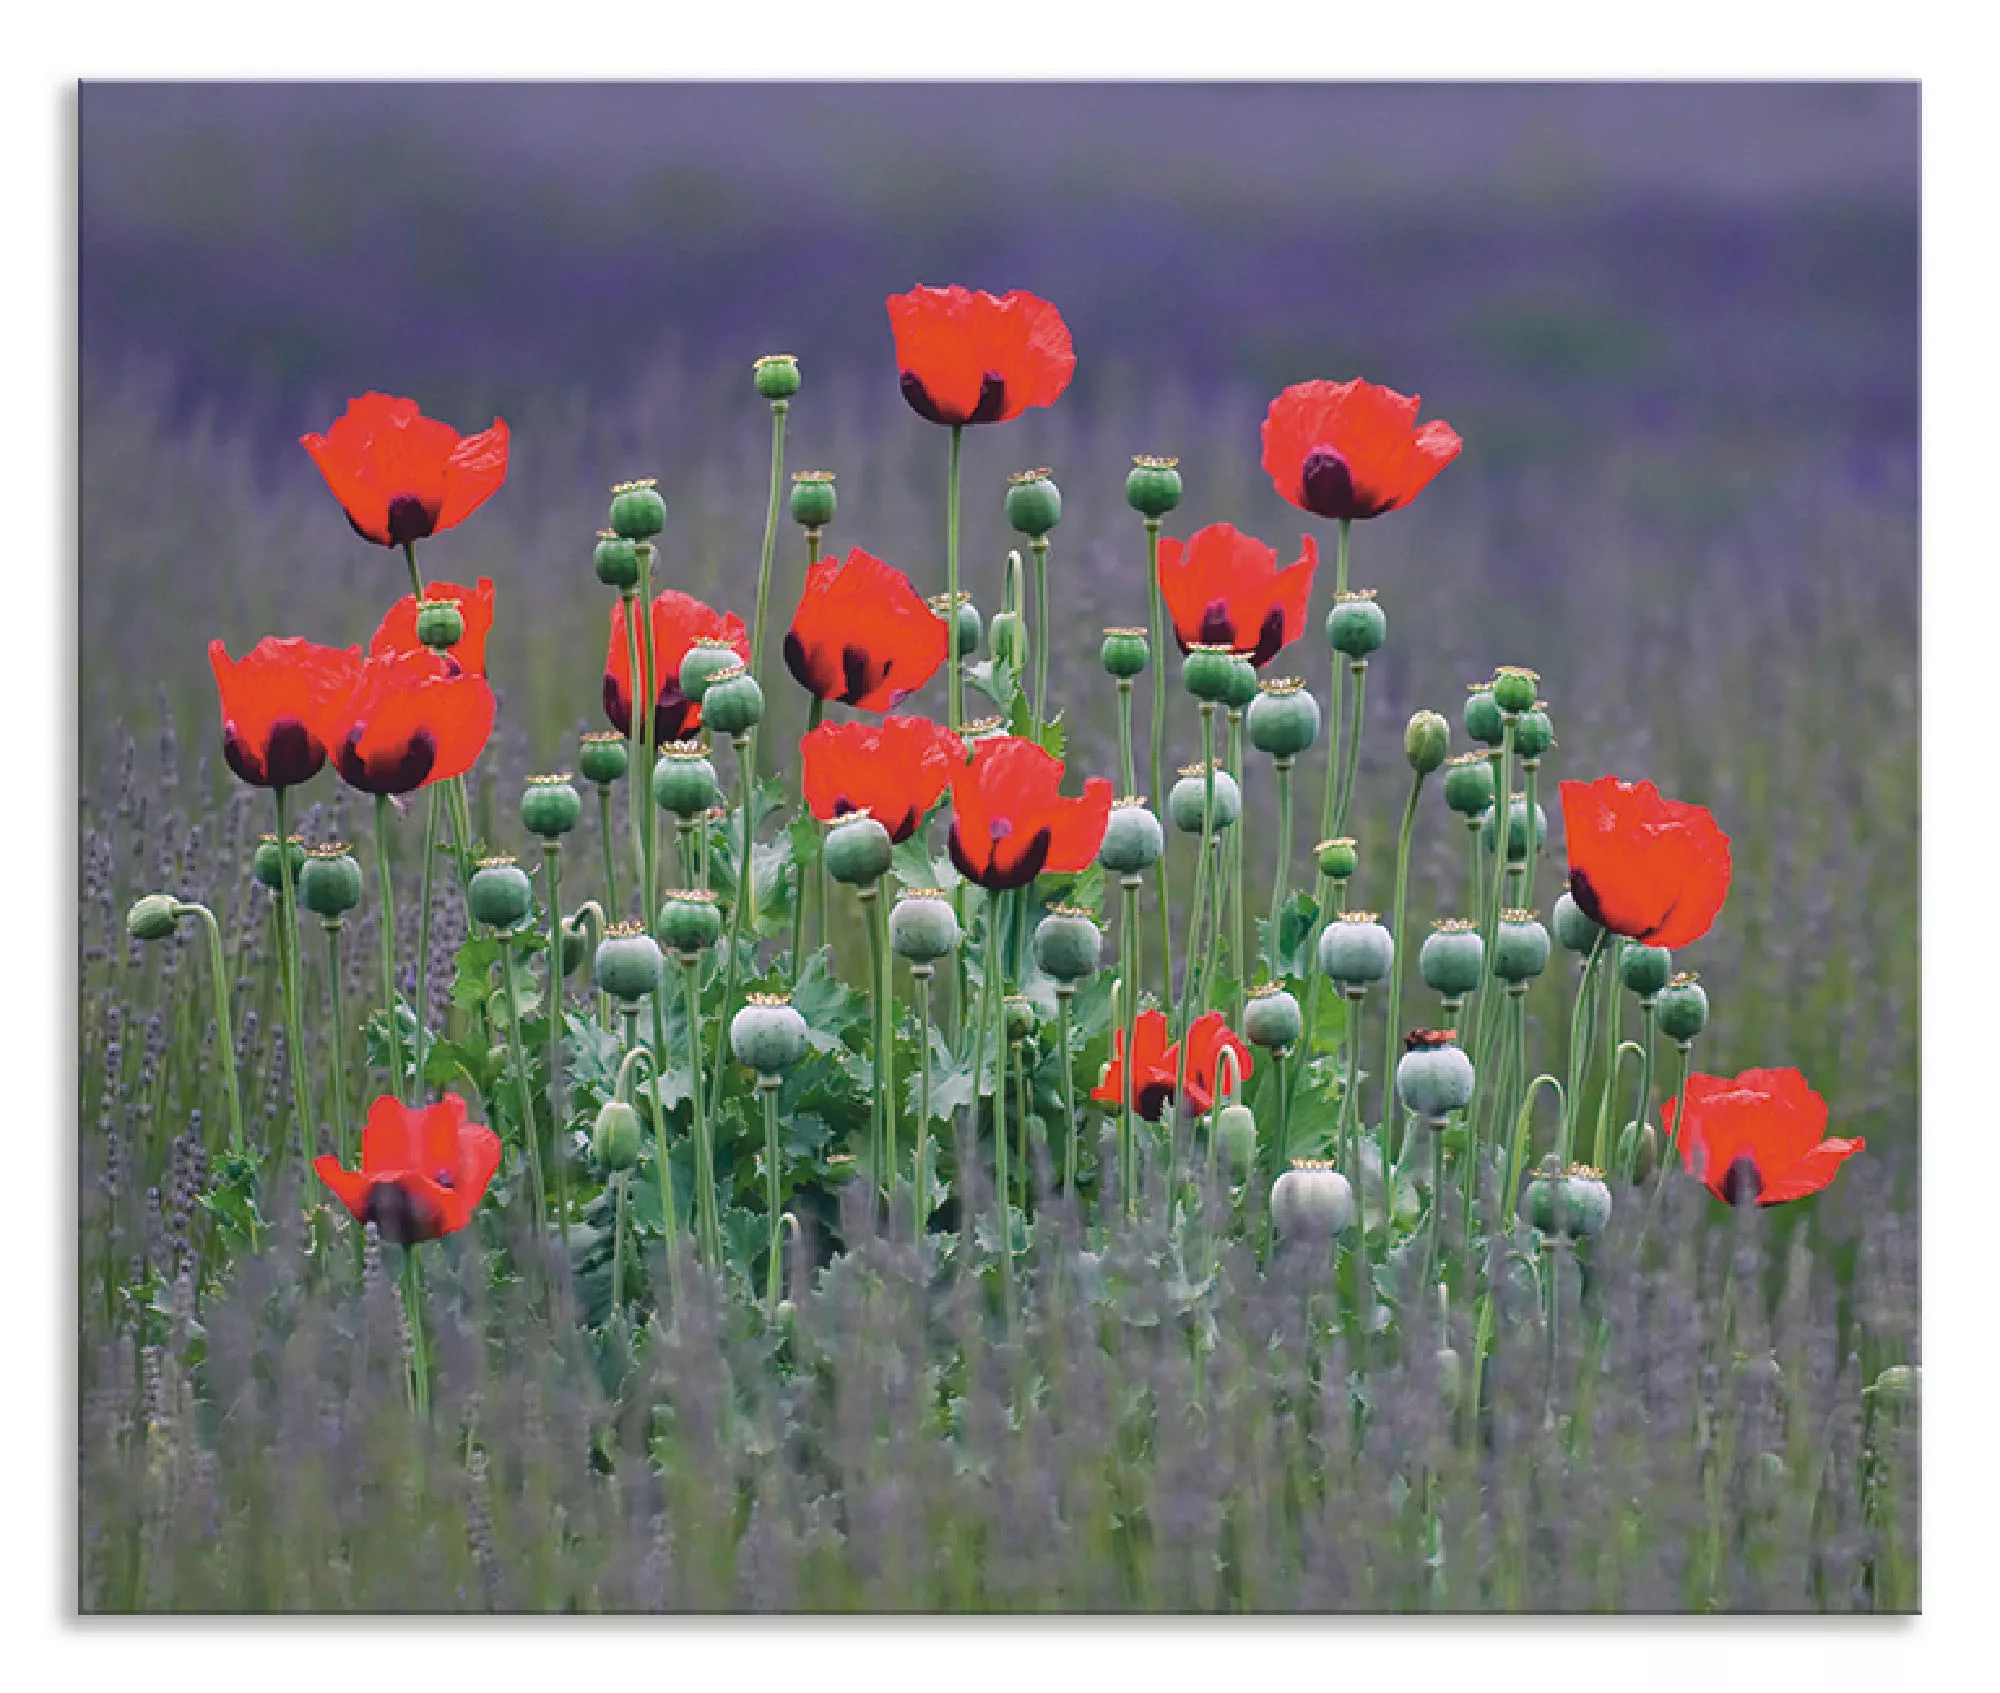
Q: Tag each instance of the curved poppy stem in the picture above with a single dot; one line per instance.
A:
(336, 1011)
(1645, 1102)
(423, 993)
(954, 680)
(288, 944)
(919, 1196)
(396, 1073)
(1040, 547)
(558, 1093)
(1159, 744)
(1396, 969)
(218, 971)
(779, 409)
(518, 1053)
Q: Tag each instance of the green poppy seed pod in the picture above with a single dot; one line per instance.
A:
(1514, 689)
(981, 729)
(1010, 639)
(923, 927)
(1154, 486)
(1068, 944)
(1434, 1076)
(1355, 950)
(733, 703)
(857, 850)
(500, 893)
(153, 918)
(637, 511)
(768, 1034)
(550, 807)
(1311, 1201)
(1576, 930)
(1645, 969)
(1205, 672)
(1125, 653)
(1271, 1018)
(1338, 859)
(1242, 683)
(1019, 1013)
(440, 624)
(1356, 626)
(264, 861)
(684, 782)
(1189, 798)
(1452, 958)
(330, 884)
(1283, 719)
(1517, 829)
(1520, 947)
(629, 964)
(709, 657)
(776, 375)
(615, 1139)
(813, 499)
(616, 560)
(1426, 741)
(602, 757)
(1534, 734)
(1235, 1134)
(1483, 721)
(968, 621)
(1468, 784)
(1576, 1202)
(690, 921)
(1682, 1008)
(1133, 838)
(1034, 503)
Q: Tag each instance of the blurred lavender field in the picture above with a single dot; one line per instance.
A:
(1677, 326)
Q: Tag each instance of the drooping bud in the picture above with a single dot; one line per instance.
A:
(1452, 958)
(1153, 488)
(1271, 1018)
(550, 807)
(1068, 944)
(768, 1034)
(1034, 502)
(616, 560)
(615, 1138)
(1356, 626)
(1133, 838)
(1235, 1132)
(638, 513)
(1125, 653)
(857, 849)
(776, 376)
(629, 964)
(1434, 1077)
(330, 884)
(602, 757)
(813, 501)
(684, 781)
(1189, 799)
(1426, 741)
(153, 918)
(690, 921)
(1354, 949)
(1010, 639)
(923, 927)
(1283, 719)
(500, 894)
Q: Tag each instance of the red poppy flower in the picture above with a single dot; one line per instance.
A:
(399, 475)
(1653, 869)
(679, 620)
(966, 357)
(1352, 449)
(1010, 821)
(1205, 1042)
(1157, 1063)
(398, 631)
(280, 703)
(411, 719)
(1760, 1135)
(1224, 589)
(862, 635)
(894, 771)
(423, 1173)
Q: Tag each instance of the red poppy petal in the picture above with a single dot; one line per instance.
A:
(473, 473)
(1811, 1172)
(1077, 829)
(350, 1187)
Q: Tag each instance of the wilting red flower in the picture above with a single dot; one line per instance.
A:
(966, 357)
(1653, 869)
(1156, 1063)
(411, 719)
(400, 475)
(1352, 449)
(1760, 1135)
(398, 631)
(862, 635)
(894, 770)
(280, 704)
(1010, 821)
(423, 1173)
(1224, 589)
(679, 620)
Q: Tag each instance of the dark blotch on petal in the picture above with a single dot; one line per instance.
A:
(402, 774)
(921, 402)
(805, 667)
(1270, 637)
(992, 398)
(398, 1215)
(1328, 485)
(1025, 867)
(1152, 1100)
(616, 707)
(857, 677)
(1585, 896)
(409, 520)
(1742, 1184)
(291, 755)
(242, 758)
(675, 717)
(1217, 628)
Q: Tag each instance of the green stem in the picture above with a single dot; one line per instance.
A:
(1531, 769)
(618, 1245)
(704, 1150)
(955, 684)
(558, 1092)
(779, 408)
(288, 941)
(1238, 940)
(517, 1050)
(604, 833)
(1125, 765)
(1611, 1010)
(1338, 704)
(1396, 969)
(662, 1164)
(1578, 1056)
(1021, 1102)
(1063, 994)
(880, 1169)
(1282, 1159)
(767, 1088)
(218, 971)
(1351, 767)
(1128, 944)
(416, 576)
(1040, 545)
(422, 1006)
(994, 993)
(396, 1073)
(1474, 905)
(1668, 1148)
(337, 1052)
(1490, 912)
(746, 900)
(1350, 1138)
(413, 1313)
(1281, 885)
(799, 891)
(919, 1196)
(1159, 745)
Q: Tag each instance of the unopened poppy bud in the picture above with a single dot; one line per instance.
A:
(1514, 689)
(813, 501)
(1468, 784)
(1068, 944)
(1356, 625)
(708, 658)
(966, 619)
(499, 893)
(1311, 1201)
(768, 1034)
(1638, 1150)
(1124, 653)
(1899, 1384)
(1534, 734)
(1133, 838)
(1271, 1018)
(1010, 639)
(1426, 741)
(1682, 1008)
(1019, 1013)
(616, 560)
(629, 963)
(264, 860)
(857, 850)
(733, 702)
(1153, 488)
(776, 375)
(153, 918)
(1034, 503)
(440, 624)
(602, 757)
(1283, 719)
(615, 1138)
(1517, 829)
(1235, 1134)
(330, 882)
(1520, 947)
(1205, 672)
(690, 921)
(1575, 928)
(1645, 969)
(923, 927)
(1189, 799)
(1483, 721)
(684, 780)
(1452, 958)
(1354, 949)
(638, 513)
(575, 945)
(550, 807)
